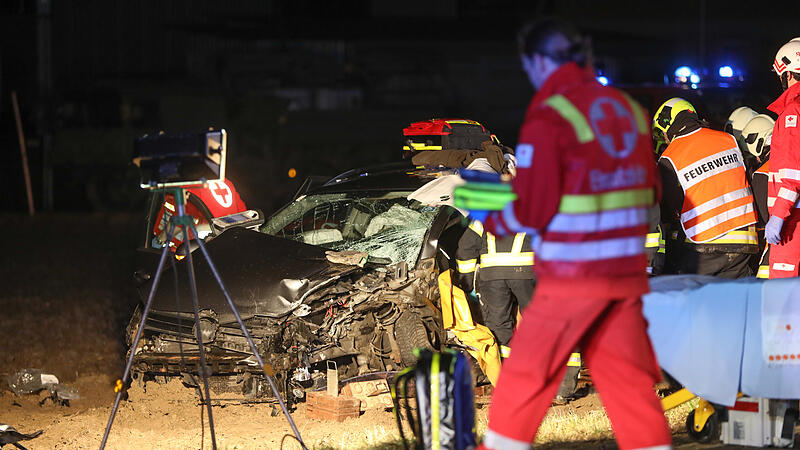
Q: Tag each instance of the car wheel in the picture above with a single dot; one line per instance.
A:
(411, 333)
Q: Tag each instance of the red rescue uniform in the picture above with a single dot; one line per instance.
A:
(784, 258)
(585, 181)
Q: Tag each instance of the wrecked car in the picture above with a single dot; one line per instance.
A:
(346, 272)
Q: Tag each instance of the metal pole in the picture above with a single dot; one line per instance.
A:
(23, 149)
(124, 380)
(247, 336)
(180, 201)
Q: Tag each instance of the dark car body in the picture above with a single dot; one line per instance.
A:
(301, 308)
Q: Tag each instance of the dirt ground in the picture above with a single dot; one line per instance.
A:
(67, 295)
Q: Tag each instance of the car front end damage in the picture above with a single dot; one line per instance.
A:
(366, 319)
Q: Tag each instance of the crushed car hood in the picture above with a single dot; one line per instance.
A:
(265, 276)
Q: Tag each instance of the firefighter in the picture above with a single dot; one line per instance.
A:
(782, 231)
(585, 179)
(504, 271)
(707, 206)
(738, 119)
(757, 135)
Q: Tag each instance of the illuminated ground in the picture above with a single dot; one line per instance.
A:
(67, 296)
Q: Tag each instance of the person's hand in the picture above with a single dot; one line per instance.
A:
(772, 232)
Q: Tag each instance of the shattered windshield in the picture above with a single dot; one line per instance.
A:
(381, 224)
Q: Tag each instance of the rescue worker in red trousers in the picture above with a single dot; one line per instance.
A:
(707, 206)
(782, 231)
(585, 179)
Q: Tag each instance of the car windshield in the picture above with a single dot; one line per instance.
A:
(381, 224)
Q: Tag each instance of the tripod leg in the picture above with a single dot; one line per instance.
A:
(198, 333)
(139, 329)
(252, 344)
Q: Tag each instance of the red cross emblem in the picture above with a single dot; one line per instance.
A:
(614, 127)
(221, 193)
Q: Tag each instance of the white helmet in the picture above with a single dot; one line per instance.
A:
(757, 134)
(788, 57)
(738, 119)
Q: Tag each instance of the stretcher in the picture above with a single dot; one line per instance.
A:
(735, 344)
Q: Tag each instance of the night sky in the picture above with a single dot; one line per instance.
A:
(321, 87)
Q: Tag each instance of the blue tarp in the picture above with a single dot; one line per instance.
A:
(706, 333)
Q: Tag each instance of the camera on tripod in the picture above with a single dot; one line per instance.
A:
(176, 160)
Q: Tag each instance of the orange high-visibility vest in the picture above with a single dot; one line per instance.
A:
(717, 197)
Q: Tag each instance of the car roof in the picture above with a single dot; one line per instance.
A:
(396, 176)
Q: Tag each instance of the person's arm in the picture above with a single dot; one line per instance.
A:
(467, 254)
(671, 195)
(538, 180)
(785, 162)
(759, 185)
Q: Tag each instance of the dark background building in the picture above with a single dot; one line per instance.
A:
(320, 86)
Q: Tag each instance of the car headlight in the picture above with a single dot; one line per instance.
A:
(208, 326)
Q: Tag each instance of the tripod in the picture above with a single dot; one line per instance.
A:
(186, 223)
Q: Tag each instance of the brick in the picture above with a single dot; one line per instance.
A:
(321, 406)
(374, 394)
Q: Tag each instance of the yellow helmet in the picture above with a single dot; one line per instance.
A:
(667, 112)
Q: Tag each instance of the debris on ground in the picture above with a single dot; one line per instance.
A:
(9, 435)
(373, 394)
(31, 381)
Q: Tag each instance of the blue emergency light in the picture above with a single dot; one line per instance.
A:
(683, 72)
(602, 80)
(725, 71)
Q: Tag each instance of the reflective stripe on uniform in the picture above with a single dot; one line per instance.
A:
(574, 360)
(652, 240)
(599, 221)
(715, 203)
(592, 250)
(467, 266)
(748, 236)
(491, 244)
(516, 257)
(770, 201)
(718, 220)
(571, 114)
(588, 203)
(787, 194)
(496, 441)
(477, 227)
(505, 351)
(506, 259)
(715, 164)
(510, 219)
(783, 267)
(791, 174)
(519, 239)
(641, 122)
(763, 272)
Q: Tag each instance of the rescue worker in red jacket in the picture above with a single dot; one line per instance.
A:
(707, 208)
(585, 180)
(782, 231)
